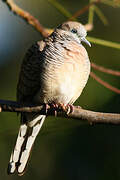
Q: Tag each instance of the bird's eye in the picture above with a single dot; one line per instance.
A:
(74, 31)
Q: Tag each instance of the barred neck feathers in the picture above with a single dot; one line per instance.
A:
(54, 49)
(55, 44)
(63, 37)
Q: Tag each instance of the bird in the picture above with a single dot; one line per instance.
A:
(54, 70)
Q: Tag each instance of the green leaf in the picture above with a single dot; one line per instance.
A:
(111, 3)
(91, 14)
(104, 42)
(58, 6)
(101, 15)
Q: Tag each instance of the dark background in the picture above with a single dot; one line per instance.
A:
(65, 149)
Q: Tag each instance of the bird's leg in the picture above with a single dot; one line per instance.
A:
(47, 107)
(69, 108)
(53, 107)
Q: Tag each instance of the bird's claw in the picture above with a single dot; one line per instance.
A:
(54, 108)
(58, 107)
(67, 108)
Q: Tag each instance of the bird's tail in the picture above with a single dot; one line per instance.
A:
(26, 137)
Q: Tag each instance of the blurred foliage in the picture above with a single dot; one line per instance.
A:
(65, 149)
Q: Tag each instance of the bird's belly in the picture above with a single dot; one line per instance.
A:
(64, 85)
(67, 91)
(58, 92)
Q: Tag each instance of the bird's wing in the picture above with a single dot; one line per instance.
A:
(29, 78)
(31, 123)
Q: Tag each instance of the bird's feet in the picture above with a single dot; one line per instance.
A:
(54, 107)
(67, 108)
(51, 108)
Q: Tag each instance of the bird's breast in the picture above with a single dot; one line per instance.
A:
(63, 82)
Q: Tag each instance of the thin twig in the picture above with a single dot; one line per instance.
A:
(105, 70)
(105, 84)
(28, 17)
(77, 113)
(61, 8)
(83, 10)
(101, 15)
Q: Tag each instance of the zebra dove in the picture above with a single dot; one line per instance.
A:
(54, 70)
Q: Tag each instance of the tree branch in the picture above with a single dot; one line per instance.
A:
(83, 10)
(105, 84)
(78, 113)
(28, 17)
(105, 70)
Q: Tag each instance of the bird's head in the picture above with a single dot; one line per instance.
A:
(77, 31)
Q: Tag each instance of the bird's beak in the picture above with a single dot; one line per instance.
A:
(83, 39)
